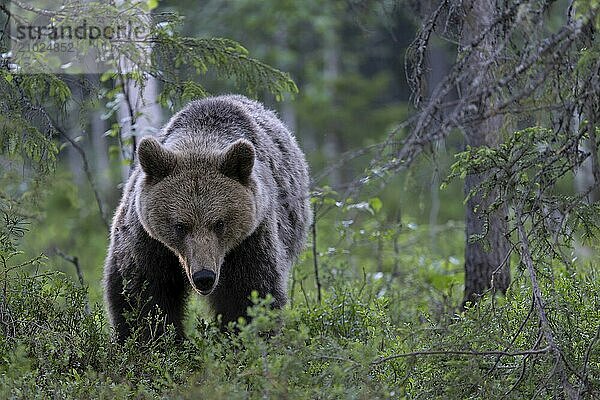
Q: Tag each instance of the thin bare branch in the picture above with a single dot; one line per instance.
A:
(586, 360)
(88, 173)
(461, 353)
(315, 254)
(75, 261)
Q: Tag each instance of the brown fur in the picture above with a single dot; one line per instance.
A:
(223, 189)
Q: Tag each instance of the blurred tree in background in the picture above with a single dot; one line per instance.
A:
(505, 84)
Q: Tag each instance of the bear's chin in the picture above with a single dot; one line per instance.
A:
(203, 293)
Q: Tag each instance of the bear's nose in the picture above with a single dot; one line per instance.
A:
(204, 280)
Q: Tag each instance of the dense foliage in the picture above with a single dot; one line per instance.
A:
(373, 335)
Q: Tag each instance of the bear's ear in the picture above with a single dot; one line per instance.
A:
(156, 161)
(238, 160)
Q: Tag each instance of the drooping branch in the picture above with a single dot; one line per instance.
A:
(527, 259)
(586, 360)
(437, 116)
(461, 353)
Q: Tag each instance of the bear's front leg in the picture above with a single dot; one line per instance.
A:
(145, 304)
(254, 266)
(231, 301)
(116, 304)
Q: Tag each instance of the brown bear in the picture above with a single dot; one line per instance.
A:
(220, 200)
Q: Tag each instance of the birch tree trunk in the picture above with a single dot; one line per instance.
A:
(139, 115)
(100, 146)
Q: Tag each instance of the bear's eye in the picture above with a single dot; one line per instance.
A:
(219, 227)
(181, 229)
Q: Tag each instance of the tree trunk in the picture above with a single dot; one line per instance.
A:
(439, 69)
(333, 145)
(487, 265)
(587, 176)
(139, 115)
(100, 147)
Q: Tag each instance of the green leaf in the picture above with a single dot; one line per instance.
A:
(375, 203)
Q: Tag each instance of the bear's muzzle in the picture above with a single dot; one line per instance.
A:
(204, 280)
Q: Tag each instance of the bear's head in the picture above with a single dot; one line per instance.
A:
(198, 204)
